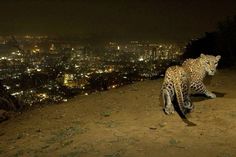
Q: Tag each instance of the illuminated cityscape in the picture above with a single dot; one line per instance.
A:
(40, 69)
(117, 78)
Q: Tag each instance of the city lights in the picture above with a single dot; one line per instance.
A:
(48, 67)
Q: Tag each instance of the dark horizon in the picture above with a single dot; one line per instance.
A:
(121, 20)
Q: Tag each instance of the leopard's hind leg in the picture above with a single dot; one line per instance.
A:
(188, 105)
(168, 106)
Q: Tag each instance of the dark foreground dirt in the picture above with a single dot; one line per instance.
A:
(126, 122)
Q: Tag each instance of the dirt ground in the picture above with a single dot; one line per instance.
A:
(126, 122)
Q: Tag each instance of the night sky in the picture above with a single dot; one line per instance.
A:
(177, 20)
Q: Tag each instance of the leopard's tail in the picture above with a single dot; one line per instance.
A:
(179, 95)
(180, 102)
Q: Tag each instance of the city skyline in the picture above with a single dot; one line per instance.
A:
(155, 20)
(53, 69)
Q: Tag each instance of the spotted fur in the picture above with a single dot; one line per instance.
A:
(176, 83)
(198, 68)
(181, 81)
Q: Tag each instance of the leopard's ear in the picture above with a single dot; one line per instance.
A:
(202, 55)
(218, 57)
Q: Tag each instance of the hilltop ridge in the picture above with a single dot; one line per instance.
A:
(127, 121)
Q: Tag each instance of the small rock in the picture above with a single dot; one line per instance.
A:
(173, 141)
(152, 127)
(163, 124)
(106, 114)
(19, 136)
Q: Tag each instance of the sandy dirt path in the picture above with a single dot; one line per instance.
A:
(126, 122)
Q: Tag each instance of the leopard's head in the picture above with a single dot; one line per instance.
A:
(210, 63)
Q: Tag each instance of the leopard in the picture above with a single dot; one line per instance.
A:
(181, 81)
(198, 69)
(176, 84)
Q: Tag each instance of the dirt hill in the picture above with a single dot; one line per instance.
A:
(126, 122)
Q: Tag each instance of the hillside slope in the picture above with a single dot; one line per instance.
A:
(124, 122)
